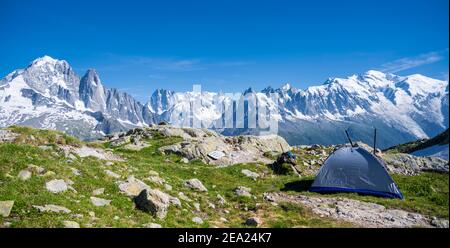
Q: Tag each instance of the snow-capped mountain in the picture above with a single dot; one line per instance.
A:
(49, 94)
(401, 108)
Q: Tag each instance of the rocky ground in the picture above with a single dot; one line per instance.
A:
(364, 214)
(164, 176)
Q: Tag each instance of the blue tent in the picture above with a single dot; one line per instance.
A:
(353, 169)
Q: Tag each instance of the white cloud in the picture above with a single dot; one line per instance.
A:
(411, 62)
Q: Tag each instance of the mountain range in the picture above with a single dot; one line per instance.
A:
(49, 94)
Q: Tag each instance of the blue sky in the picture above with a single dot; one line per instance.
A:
(138, 46)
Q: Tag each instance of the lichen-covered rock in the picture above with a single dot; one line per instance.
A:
(406, 164)
(153, 201)
(70, 224)
(98, 191)
(364, 214)
(250, 173)
(199, 143)
(56, 186)
(195, 184)
(132, 186)
(243, 191)
(7, 135)
(24, 175)
(197, 220)
(52, 208)
(112, 174)
(5, 208)
(99, 202)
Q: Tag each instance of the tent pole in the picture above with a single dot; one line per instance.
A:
(375, 142)
(348, 137)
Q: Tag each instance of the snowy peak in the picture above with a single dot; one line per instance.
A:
(46, 61)
(92, 92)
(161, 100)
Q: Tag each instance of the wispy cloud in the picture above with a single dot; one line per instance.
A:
(411, 62)
(159, 65)
(167, 64)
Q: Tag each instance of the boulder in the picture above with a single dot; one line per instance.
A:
(197, 206)
(112, 174)
(250, 173)
(52, 208)
(200, 144)
(253, 221)
(56, 186)
(7, 135)
(152, 225)
(197, 220)
(153, 201)
(99, 202)
(70, 224)
(24, 175)
(98, 191)
(243, 191)
(5, 208)
(406, 164)
(133, 186)
(156, 179)
(195, 184)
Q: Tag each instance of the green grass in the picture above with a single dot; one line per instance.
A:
(426, 193)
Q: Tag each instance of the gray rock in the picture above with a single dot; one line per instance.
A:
(253, 221)
(24, 175)
(133, 186)
(195, 184)
(184, 160)
(197, 206)
(56, 186)
(152, 225)
(156, 179)
(440, 223)
(70, 224)
(76, 171)
(5, 208)
(168, 187)
(98, 191)
(250, 173)
(243, 191)
(99, 202)
(198, 143)
(365, 214)
(7, 135)
(406, 164)
(52, 208)
(197, 220)
(112, 174)
(220, 200)
(153, 201)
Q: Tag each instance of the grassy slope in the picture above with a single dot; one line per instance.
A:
(426, 193)
(413, 146)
